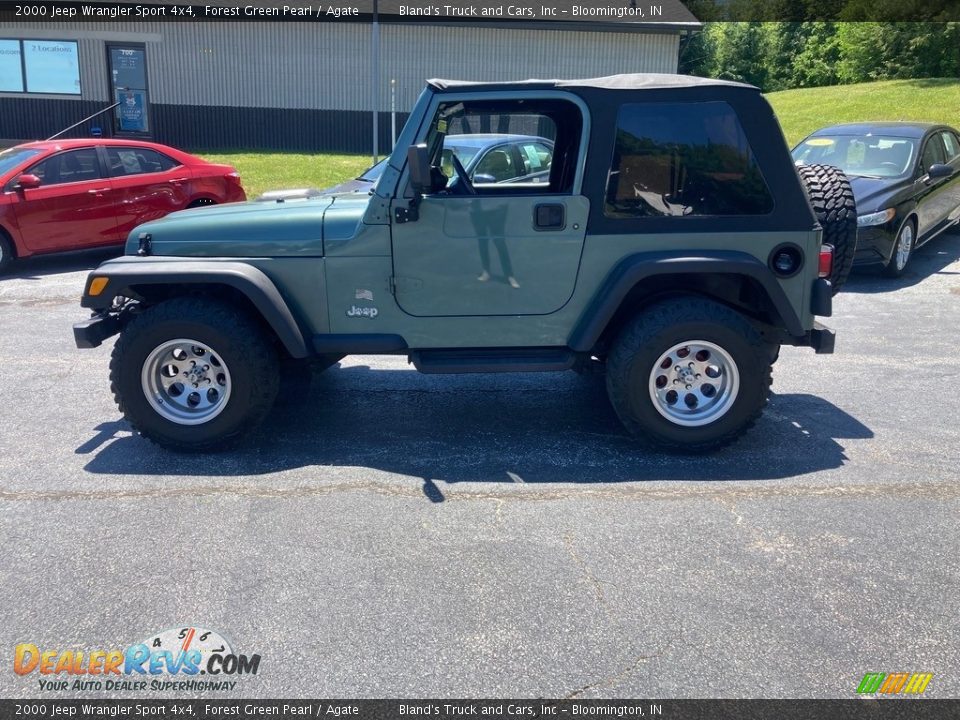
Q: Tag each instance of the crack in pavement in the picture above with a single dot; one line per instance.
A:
(527, 492)
(586, 571)
(613, 679)
(779, 545)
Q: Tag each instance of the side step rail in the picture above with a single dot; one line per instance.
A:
(479, 360)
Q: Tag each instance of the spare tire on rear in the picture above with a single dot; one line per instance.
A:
(831, 198)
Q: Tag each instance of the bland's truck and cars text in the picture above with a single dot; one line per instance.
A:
(667, 241)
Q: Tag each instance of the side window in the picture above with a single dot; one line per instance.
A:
(951, 144)
(67, 167)
(536, 158)
(506, 147)
(137, 161)
(496, 166)
(683, 159)
(932, 154)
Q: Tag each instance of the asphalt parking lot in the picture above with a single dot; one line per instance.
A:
(394, 534)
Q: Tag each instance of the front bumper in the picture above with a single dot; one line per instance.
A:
(92, 332)
(875, 245)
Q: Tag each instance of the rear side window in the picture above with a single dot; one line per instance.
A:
(137, 161)
(683, 159)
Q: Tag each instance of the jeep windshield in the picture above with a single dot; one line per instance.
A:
(879, 156)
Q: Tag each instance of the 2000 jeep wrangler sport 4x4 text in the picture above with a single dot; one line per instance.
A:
(652, 227)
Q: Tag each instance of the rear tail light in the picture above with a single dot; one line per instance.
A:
(233, 176)
(825, 265)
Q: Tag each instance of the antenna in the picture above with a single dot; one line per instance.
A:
(99, 112)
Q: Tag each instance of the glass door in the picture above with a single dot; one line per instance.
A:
(128, 84)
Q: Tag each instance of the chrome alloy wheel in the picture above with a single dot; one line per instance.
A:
(186, 382)
(904, 246)
(694, 383)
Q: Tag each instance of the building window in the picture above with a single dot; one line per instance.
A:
(683, 159)
(40, 66)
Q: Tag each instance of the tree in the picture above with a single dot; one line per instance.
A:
(740, 52)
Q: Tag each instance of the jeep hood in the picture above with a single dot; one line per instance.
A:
(252, 229)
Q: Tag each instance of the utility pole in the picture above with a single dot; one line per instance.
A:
(393, 113)
(375, 89)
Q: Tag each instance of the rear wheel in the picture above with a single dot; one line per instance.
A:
(689, 375)
(831, 198)
(902, 251)
(202, 202)
(193, 373)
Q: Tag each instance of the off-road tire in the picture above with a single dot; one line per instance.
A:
(238, 339)
(6, 252)
(641, 343)
(831, 197)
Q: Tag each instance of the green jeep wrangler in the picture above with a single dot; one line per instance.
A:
(652, 227)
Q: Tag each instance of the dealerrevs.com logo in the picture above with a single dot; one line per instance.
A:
(894, 683)
(169, 660)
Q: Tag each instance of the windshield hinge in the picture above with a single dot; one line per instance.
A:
(410, 213)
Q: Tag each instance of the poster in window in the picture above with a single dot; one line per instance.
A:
(11, 76)
(52, 66)
(132, 111)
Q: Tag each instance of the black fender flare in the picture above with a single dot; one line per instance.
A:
(124, 274)
(635, 268)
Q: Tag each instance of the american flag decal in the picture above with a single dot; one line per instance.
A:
(365, 295)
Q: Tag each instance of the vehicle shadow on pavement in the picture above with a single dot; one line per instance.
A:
(931, 259)
(36, 267)
(529, 428)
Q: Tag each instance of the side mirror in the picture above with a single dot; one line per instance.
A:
(28, 182)
(939, 170)
(419, 162)
(484, 179)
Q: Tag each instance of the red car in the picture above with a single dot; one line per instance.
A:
(74, 194)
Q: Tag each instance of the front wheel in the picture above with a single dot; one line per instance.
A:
(689, 375)
(902, 250)
(193, 374)
(6, 252)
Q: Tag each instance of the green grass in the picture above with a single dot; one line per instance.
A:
(262, 171)
(802, 111)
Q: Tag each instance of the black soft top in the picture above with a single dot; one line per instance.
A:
(632, 81)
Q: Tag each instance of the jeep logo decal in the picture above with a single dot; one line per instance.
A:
(370, 312)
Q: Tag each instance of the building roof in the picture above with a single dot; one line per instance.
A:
(633, 81)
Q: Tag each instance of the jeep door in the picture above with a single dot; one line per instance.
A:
(508, 242)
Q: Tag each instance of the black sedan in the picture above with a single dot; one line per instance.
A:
(906, 180)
